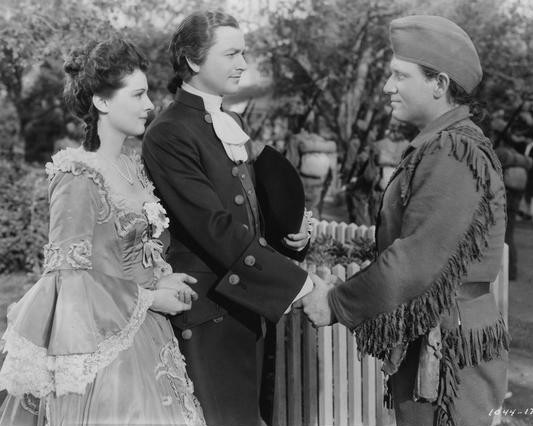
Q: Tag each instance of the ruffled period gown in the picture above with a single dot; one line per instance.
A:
(82, 346)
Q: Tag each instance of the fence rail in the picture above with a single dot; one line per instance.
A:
(320, 378)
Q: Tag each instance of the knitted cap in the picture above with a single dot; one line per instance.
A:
(438, 43)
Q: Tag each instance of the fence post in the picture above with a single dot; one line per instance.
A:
(325, 368)
(322, 228)
(340, 365)
(331, 229)
(294, 372)
(369, 394)
(355, 395)
(310, 379)
(340, 233)
(351, 230)
(352, 269)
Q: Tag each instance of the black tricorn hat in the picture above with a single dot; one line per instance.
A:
(281, 199)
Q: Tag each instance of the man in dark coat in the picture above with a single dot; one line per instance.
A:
(424, 306)
(201, 162)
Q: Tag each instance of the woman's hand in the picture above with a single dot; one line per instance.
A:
(167, 302)
(178, 283)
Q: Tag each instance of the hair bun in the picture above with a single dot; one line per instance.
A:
(74, 63)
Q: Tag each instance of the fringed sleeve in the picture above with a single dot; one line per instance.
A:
(443, 197)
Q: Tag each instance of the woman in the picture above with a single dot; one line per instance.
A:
(424, 306)
(205, 169)
(89, 344)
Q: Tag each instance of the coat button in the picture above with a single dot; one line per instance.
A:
(249, 260)
(208, 118)
(262, 242)
(186, 334)
(235, 171)
(234, 279)
(239, 200)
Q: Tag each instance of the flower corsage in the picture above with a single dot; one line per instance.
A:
(157, 218)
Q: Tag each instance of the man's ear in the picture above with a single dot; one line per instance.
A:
(194, 67)
(442, 83)
(100, 104)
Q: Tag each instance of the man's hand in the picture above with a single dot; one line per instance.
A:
(299, 240)
(315, 304)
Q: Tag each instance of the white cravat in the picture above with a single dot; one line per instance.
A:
(226, 128)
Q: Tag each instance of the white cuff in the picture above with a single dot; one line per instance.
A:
(306, 289)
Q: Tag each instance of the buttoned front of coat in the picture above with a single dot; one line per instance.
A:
(214, 217)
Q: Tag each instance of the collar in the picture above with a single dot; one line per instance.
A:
(212, 103)
(190, 100)
(447, 119)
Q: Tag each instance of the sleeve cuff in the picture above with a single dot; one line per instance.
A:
(306, 289)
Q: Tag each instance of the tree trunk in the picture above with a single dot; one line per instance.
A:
(351, 101)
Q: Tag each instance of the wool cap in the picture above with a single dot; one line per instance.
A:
(438, 43)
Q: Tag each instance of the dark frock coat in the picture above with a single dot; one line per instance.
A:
(215, 237)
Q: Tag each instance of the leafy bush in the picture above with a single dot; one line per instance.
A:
(328, 252)
(9, 127)
(23, 216)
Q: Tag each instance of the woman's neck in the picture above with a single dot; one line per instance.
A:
(111, 141)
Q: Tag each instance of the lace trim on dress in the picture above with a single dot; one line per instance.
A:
(141, 173)
(172, 366)
(78, 161)
(28, 369)
(75, 256)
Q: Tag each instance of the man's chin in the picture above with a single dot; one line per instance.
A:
(398, 116)
(231, 89)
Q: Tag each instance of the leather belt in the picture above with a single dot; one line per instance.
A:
(473, 289)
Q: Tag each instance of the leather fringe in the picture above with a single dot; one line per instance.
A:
(380, 335)
(462, 350)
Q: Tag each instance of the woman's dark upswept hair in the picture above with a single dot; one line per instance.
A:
(458, 95)
(192, 39)
(98, 68)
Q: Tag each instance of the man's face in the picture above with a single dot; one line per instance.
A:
(411, 93)
(224, 64)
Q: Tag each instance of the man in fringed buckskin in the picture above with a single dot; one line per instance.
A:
(424, 306)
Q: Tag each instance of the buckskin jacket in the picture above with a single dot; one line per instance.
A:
(440, 238)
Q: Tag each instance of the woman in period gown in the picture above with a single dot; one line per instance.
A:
(85, 345)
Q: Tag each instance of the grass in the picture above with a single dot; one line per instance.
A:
(12, 287)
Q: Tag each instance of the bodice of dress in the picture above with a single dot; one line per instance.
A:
(123, 243)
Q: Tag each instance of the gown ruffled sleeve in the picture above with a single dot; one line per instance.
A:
(77, 318)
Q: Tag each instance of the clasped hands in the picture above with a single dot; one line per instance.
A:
(315, 304)
(173, 294)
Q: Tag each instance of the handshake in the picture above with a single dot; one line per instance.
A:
(315, 303)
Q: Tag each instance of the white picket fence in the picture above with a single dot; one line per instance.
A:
(320, 379)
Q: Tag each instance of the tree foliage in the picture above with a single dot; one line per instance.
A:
(35, 36)
(330, 59)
